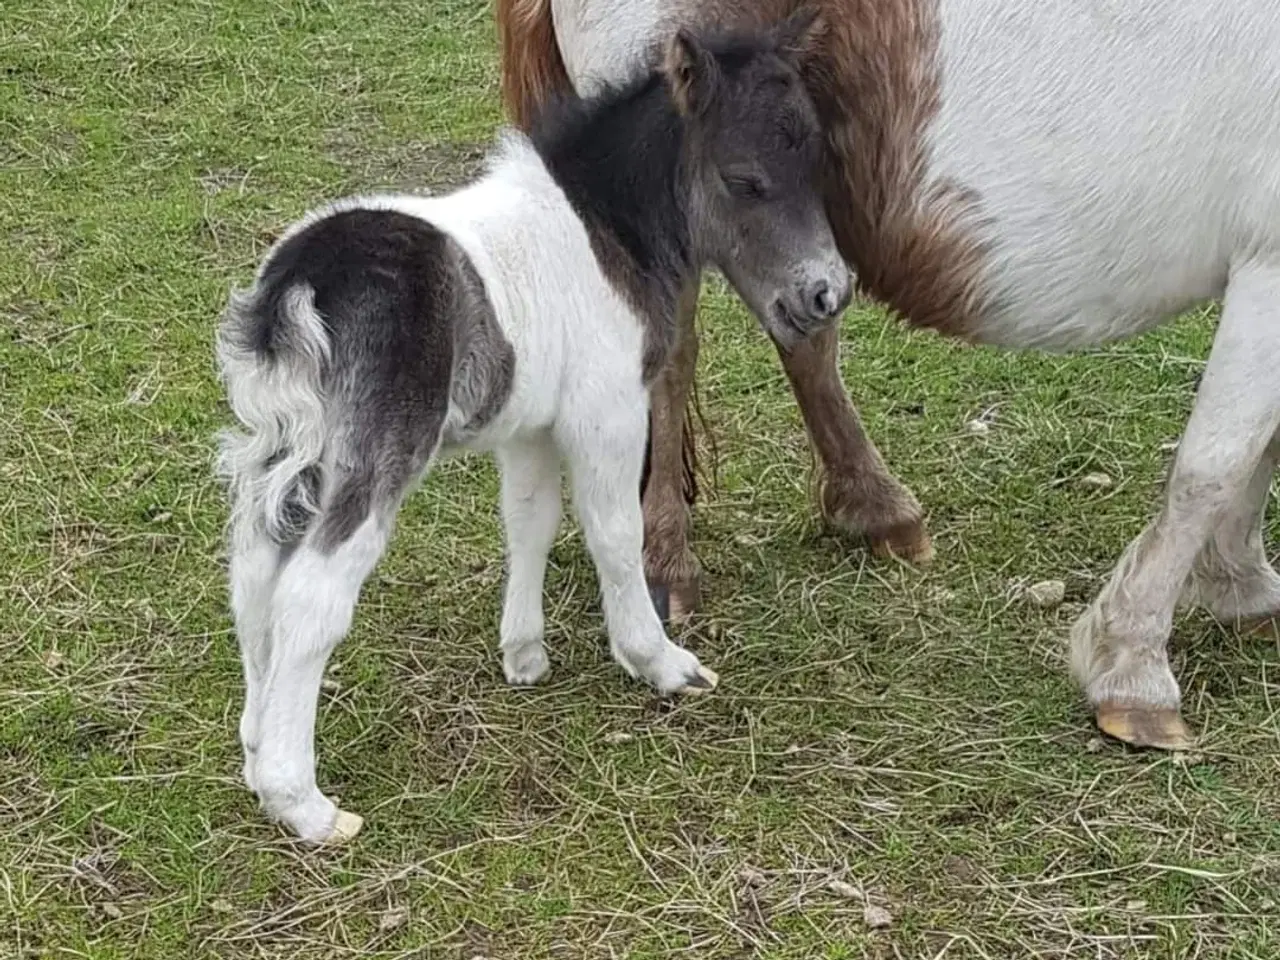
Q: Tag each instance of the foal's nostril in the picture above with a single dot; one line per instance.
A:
(824, 302)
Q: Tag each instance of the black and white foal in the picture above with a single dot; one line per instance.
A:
(524, 315)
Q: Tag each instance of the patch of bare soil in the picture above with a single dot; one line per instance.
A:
(427, 167)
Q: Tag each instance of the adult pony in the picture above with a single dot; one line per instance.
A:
(1032, 175)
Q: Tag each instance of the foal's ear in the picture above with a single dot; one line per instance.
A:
(692, 73)
(797, 37)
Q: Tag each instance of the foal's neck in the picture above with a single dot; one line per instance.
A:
(617, 157)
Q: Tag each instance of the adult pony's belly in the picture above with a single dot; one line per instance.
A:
(609, 41)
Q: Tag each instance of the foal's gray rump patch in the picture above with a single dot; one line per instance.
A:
(409, 326)
(484, 360)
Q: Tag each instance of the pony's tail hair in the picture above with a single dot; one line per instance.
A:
(532, 69)
(272, 355)
(693, 466)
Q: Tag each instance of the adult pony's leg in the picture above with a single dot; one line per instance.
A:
(1118, 645)
(671, 569)
(859, 494)
(1232, 577)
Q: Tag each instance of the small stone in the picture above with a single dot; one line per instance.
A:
(330, 685)
(1229, 837)
(877, 918)
(393, 919)
(112, 911)
(618, 736)
(1095, 481)
(977, 428)
(1047, 594)
(164, 516)
(1094, 745)
(1135, 906)
(842, 889)
(53, 659)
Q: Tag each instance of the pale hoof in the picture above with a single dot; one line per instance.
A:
(704, 681)
(345, 829)
(525, 665)
(1160, 728)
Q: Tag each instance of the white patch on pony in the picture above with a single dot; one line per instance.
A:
(1125, 155)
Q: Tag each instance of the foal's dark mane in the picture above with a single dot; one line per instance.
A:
(619, 156)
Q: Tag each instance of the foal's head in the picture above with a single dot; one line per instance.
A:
(753, 149)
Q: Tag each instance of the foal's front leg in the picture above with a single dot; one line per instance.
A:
(605, 449)
(859, 494)
(530, 471)
(1119, 650)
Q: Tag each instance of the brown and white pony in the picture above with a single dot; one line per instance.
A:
(1032, 175)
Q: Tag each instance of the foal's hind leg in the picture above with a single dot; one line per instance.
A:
(1232, 577)
(253, 565)
(312, 606)
(604, 444)
(1119, 650)
(859, 494)
(530, 513)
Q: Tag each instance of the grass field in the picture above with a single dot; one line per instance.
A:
(895, 764)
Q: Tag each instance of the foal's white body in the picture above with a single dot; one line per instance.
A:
(1127, 161)
(577, 393)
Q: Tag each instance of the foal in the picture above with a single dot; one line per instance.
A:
(524, 315)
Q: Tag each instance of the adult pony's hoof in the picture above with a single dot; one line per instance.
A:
(882, 513)
(676, 602)
(1160, 728)
(908, 541)
(345, 829)
(704, 681)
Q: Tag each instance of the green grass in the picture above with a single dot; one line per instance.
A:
(912, 736)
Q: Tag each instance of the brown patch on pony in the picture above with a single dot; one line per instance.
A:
(877, 82)
(532, 68)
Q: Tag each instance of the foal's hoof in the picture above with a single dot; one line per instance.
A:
(345, 828)
(1160, 728)
(676, 602)
(704, 681)
(906, 541)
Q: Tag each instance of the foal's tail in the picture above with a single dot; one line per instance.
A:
(273, 351)
(532, 69)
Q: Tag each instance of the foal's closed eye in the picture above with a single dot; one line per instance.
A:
(745, 186)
